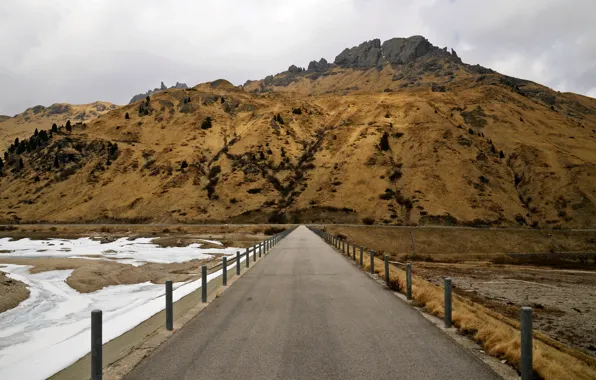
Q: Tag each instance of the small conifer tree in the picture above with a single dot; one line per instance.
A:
(384, 143)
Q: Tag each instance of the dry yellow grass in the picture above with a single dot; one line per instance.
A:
(325, 164)
(23, 124)
(498, 335)
(225, 232)
(454, 245)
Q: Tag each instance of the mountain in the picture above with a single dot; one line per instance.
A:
(40, 117)
(400, 132)
(161, 88)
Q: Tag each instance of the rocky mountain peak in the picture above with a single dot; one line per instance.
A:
(373, 53)
(161, 88)
(395, 51)
(320, 66)
(366, 55)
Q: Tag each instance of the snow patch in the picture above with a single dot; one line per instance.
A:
(136, 251)
(51, 329)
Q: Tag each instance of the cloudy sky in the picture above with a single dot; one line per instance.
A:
(81, 51)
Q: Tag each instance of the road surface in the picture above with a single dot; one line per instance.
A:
(305, 312)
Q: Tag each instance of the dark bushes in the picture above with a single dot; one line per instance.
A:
(273, 230)
(384, 143)
(278, 218)
(206, 124)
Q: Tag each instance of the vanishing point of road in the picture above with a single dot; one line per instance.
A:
(305, 312)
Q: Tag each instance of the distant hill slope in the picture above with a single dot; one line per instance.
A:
(40, 117)
(426, 140)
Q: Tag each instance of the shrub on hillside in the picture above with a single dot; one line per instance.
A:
(384, 143)
(206, 124)
(273, 230)
(278, 218)
(368, 221)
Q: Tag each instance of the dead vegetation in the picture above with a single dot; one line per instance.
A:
(493, 321)
(498, 334)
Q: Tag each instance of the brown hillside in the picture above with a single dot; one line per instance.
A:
(445, 124)
(40, 117)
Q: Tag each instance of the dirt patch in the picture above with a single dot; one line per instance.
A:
(183, 241)
(91, 275)
(12, 292)
(227, 240)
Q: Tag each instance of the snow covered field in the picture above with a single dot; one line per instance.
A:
(50, 330)
(136, 252)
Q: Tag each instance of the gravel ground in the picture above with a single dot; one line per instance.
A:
(564, 301)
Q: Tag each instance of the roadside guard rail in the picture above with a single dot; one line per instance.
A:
(350, 249)
(261, 248)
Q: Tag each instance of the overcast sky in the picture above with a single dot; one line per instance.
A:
(80, 51)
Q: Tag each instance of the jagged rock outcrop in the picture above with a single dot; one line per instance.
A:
(364, 56)
(320, 66)
(181, 86)
(295, 69)
(163, 87)
(395, 51)
(405, 50)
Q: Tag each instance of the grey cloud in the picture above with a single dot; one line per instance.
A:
(82, 51)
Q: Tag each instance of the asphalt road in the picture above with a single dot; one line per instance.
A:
(305, 312)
